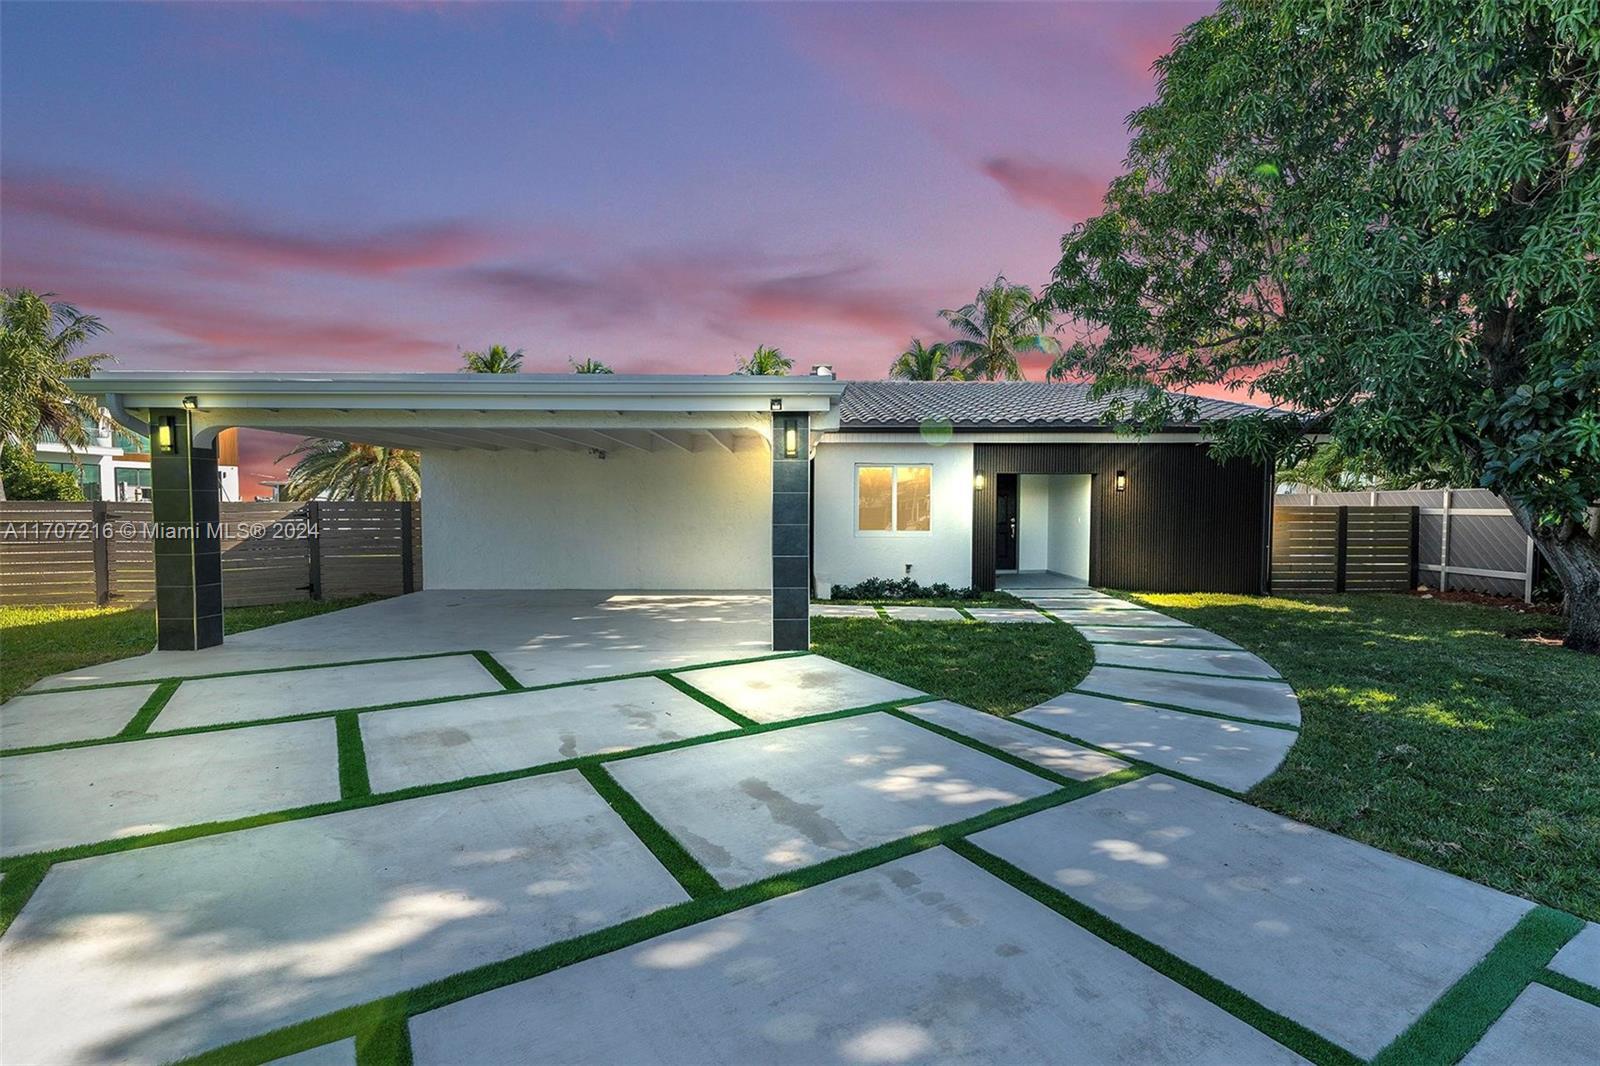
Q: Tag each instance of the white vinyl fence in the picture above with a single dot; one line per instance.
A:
(1466, 538)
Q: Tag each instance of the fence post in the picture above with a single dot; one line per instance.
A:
(1527, 574)
(1444, 543)
(100, 535)
(1341, 546)
(1416, 553)
(407, 578)
(314, 543)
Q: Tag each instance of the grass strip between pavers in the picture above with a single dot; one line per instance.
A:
(241, 673)
(1187, 710)
(1134, 760)
(1291, 1034)
(140, 723)
(663, 845)
(501, 674)
(14, 892)
(487, 694)
(369, 1017)
(353, 780)
(1190, 673)
(1459, 1018)
(707, 700)
(1570, 987)
(999, 754)
(384, 1041)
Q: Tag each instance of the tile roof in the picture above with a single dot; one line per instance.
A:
(993, 405)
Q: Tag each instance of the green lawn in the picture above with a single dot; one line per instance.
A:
(997, 668)
(36, 642)
(1431, 733)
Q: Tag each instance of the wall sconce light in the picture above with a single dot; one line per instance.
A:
(166, 434)
(776, 403)
(1122, 480)
(190, 403)
(978, 482)
(791, 442)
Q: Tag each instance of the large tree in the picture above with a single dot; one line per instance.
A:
(39, 342)
(339, 470)
(920, 362)
(766, 361)
(995, 328)
(1384, 216)
(495, 359)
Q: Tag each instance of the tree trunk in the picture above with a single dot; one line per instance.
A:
(1574, 555)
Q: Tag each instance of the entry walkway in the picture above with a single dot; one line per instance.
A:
(780, 859)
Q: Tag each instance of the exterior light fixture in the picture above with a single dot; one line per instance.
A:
(776, 403)
(791, 442)
(1122, 480)
(979, 481)
(165, 434)
(190, 403)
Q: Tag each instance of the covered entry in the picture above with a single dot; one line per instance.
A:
(529, 481)
(1042, 529)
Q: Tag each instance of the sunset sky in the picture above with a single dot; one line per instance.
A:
(659, 186)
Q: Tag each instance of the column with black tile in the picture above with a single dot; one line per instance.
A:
(188, 544)
(791, 534)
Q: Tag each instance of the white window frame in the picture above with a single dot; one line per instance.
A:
(894, 500)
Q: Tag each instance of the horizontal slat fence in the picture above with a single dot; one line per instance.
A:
(1344, 549)
(89, 553)
(1466, 538)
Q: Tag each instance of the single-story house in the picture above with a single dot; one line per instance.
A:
(787, 485)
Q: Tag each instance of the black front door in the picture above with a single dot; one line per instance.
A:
(1005, 522)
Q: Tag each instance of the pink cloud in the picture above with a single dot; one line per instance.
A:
(1072, 194)
(232, 237)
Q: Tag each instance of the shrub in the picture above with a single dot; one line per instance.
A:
(28, 479)
(880, 588)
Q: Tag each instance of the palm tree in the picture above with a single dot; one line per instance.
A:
(338, 470)
(921, 363)
(590, 366)
(494, 361)
(38, 339)
(991, 330)
(766, 361)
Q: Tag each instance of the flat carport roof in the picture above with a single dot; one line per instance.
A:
(532, 412)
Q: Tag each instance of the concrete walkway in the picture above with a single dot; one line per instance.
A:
(784, 860)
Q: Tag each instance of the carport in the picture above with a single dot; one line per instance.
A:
(530, 481)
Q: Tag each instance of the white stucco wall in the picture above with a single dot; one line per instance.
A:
(1033, 521)
(843, 556)
(1068, 551)
(634, 520)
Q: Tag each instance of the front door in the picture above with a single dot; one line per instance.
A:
(1005, 522)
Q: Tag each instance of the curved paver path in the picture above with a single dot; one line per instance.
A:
(1171, 694)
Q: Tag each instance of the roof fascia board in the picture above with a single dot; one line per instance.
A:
(1105, 436)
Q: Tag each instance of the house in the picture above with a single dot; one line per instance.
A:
(785, 485)
(115, 464)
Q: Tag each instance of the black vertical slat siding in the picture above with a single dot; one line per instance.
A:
(1186, 523)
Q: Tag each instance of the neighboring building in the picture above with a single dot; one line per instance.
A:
(115, 464)
(779, 485)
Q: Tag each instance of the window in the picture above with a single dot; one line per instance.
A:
(894, 499)
(87, 475)
(133, 483)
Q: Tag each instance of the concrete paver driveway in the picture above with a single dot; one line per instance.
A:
(572, 829)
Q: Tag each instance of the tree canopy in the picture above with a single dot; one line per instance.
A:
(39, 342)
(590, 366)
(496, 359)
(339, 470)
(920, 362)
(1385, 217)
(766, 361)
(1002, 322)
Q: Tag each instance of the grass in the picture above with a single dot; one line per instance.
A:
(38, 642)
(1430, 732)
(1001, 669)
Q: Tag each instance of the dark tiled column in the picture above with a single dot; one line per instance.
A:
(188, 545)
(791, 534)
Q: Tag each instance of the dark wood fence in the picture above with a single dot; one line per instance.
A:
(101, 553)
(1344, 549)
